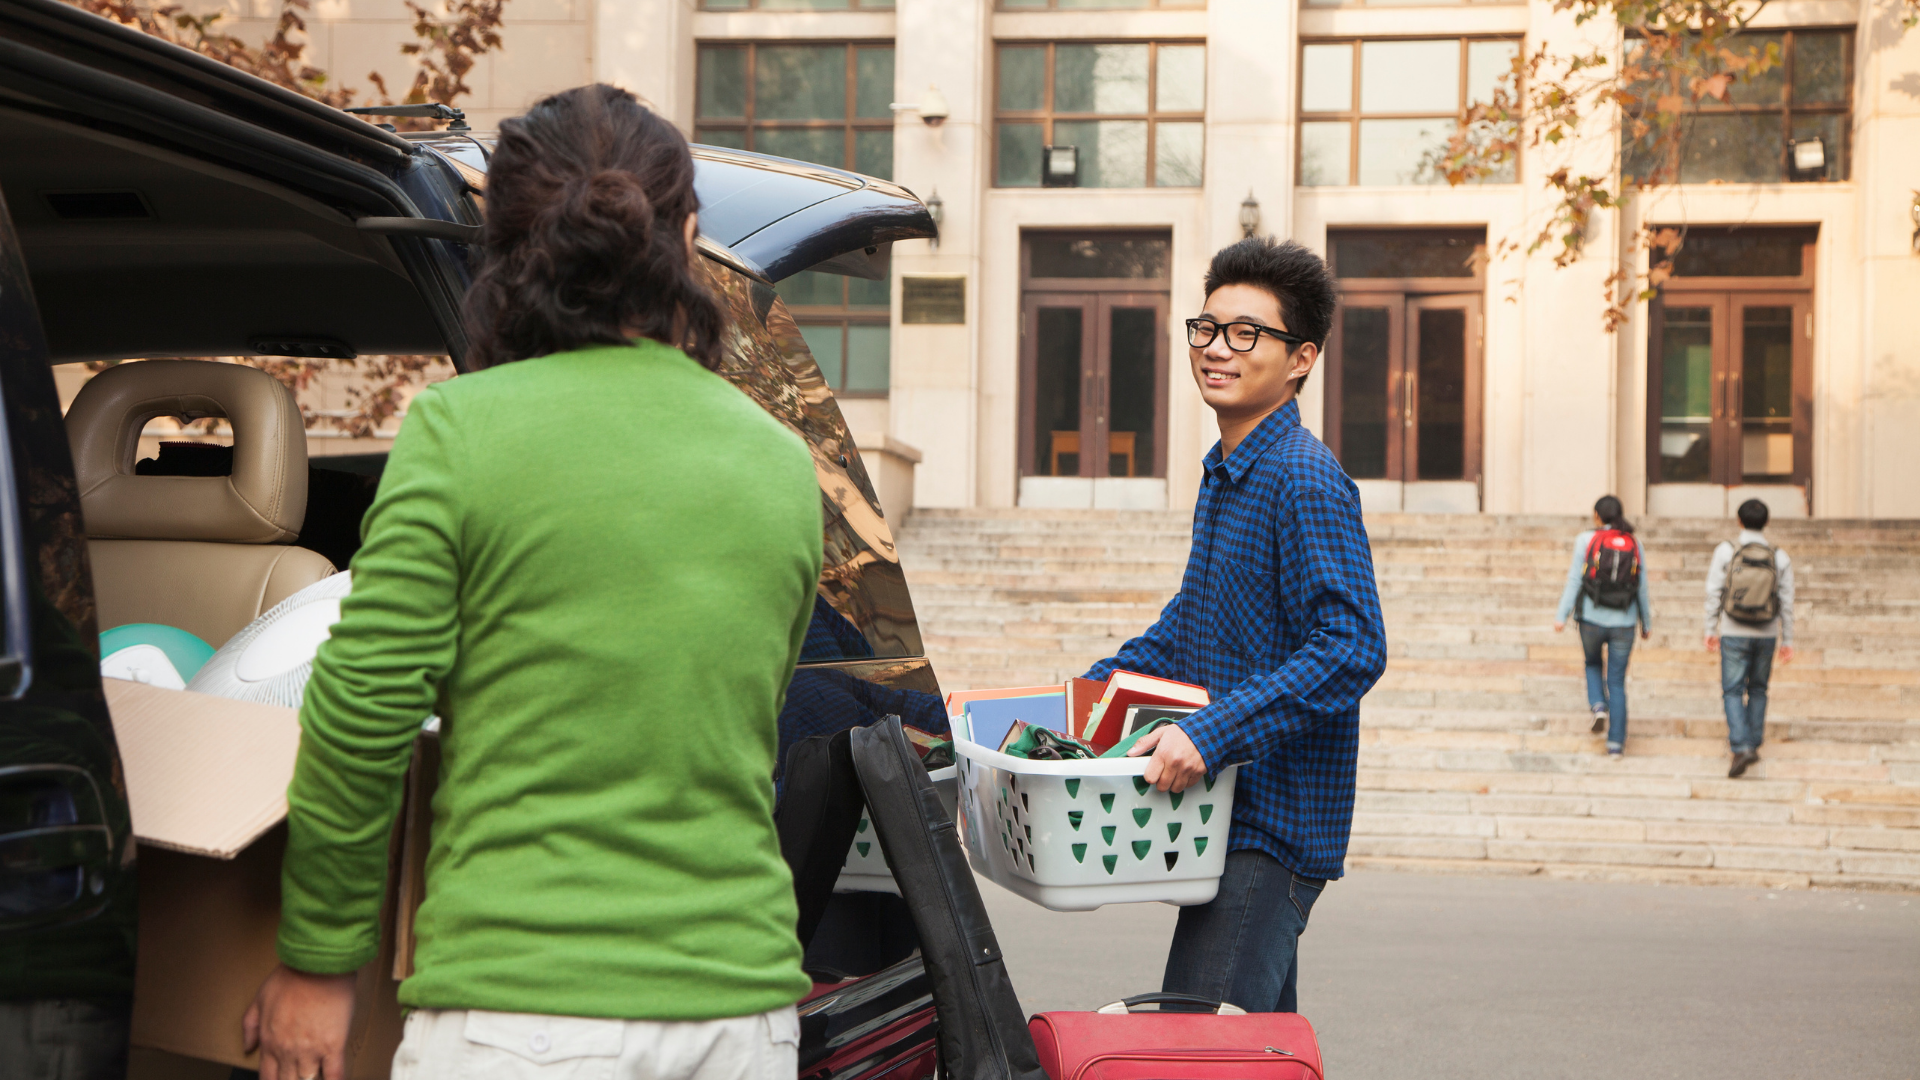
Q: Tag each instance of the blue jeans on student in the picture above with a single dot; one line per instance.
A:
(1746, 663)
(1612, 690)
(1242, 945)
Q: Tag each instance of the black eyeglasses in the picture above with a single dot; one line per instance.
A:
(1241, 336)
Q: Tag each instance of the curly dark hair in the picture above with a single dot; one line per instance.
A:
(588, 196)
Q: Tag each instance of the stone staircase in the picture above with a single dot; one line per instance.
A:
(1475, 754)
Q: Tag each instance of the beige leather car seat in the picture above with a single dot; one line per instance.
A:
(208, 554)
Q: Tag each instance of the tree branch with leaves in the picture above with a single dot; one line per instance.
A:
(448, 40)
(1674, 56)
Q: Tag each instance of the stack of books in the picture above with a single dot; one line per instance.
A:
(1097, 712)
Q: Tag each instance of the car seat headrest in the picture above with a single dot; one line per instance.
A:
(264, 501)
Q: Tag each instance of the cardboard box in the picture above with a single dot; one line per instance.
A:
(207, 782)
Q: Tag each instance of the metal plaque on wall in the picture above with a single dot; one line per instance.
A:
(933, 298)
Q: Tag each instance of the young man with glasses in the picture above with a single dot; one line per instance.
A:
(1278, 617)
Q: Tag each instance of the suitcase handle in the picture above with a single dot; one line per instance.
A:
(1220, 1008)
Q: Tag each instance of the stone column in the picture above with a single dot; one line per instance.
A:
(646, 46)
(935, 379)
(1569, 399)
(1886, 170)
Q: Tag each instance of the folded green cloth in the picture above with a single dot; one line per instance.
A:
(1045, 744)
(1120, 748)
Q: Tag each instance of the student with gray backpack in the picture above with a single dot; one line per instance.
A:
(1607, 584)
(1749, 608)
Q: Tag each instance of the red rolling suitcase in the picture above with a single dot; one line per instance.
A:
(1229, 1043)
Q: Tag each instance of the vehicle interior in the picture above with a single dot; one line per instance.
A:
(140, 251)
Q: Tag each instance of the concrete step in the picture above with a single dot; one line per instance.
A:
(1476, 747)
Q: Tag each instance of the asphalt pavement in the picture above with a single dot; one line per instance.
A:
(1489, 978)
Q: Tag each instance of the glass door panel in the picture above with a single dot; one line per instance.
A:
(1686, 352)
(1766, 394)
(1364, 355)
(1061, 347)
(1133, 388)
(1439, 393)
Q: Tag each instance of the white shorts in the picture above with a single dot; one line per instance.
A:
(467, 1044)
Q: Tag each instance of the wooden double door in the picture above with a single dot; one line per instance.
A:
(1731, 387)
(1404, 386)
(1095, 368)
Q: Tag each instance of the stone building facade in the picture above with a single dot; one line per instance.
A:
(1033, 356)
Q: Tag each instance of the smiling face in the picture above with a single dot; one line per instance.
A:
(1243, 387)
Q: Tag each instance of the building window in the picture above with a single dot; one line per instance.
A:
(1751, 137)
(796, 5)
(1096, 5)
(828, 104)
(845, 323)
(1381, 112)
(1132, 110)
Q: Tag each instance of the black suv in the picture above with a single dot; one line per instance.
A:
(160, 204)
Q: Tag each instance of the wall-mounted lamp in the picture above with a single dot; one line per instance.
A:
(932, 107)
(937, 210)
(1249, 215)
(1060, 166)
(1809, 155)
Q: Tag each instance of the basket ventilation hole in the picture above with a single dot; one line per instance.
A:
(1199, 845)
(1175, 799)
(1106, 802)
(1073, 789)
(1024, 804)
(1106, 833)
(1209, 783)
(1074, 817)
(1141, 847)
(1141, 815)
(1109, 861)
(1172, 857)
(1173, 830)
(1029, 829)
(1206, 811)
(1140, 784)
(1029, 861)
(863, 847)
(862, 827)
(1079, 853)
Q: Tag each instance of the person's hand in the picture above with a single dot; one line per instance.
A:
(1559, 626)
(1713, 643)
(1176, 763)
(1786, 654)
(299, 1023)
(1645, 634)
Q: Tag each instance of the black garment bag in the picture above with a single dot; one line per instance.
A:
(983, 1031)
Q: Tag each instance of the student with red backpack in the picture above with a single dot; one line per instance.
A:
(1608, 584)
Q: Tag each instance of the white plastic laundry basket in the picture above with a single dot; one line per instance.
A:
(866, 869)
(1073, 835)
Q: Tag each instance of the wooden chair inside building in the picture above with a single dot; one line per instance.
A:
(1119, 444)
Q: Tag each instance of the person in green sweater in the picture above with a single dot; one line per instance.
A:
(594, 559)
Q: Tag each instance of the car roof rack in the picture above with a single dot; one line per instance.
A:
(432, 110)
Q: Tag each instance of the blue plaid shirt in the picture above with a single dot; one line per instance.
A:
(1278, 616)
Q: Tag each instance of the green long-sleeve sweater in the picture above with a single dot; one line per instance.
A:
(597, 567)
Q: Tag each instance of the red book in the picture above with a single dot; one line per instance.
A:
(1082, 696)
(1128, 688)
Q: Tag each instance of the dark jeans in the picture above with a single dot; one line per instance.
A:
(64, 1039)
(1746, 663)
(1241, 946)
(1612, 692)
